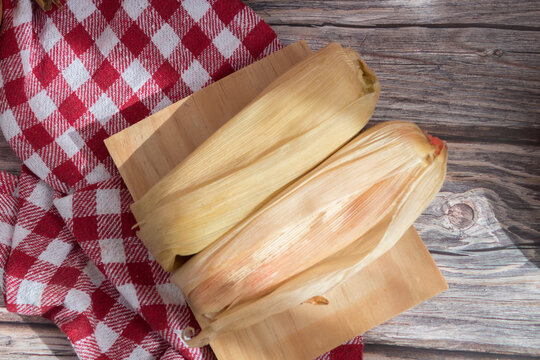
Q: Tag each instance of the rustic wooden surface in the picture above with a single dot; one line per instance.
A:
(470, 73)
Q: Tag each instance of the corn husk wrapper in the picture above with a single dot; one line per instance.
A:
(318, 232)
(299, 120)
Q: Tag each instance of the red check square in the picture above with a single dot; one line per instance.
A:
(141, 273)
(9, 44)
(72, 108)
(105, 75)
(85, 228)
(97, 145)
(38, 136)
(78, 329)
(49, 226)
(156, 315)
(109, 8)
(352, 352)
(128, 220)
(135, 111)
(226, 10)
(68, 173)
(258, 39)
(101, 304)
(223, 71)
(196, 40)
(136, 329)
(15, 96)
(66, 276)
(166, 76)
(46, 71)
(135, 39)
(20, 263)
(79, 40)
(165, 8)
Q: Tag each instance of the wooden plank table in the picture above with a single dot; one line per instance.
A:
(468, 72)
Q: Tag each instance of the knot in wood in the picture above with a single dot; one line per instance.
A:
(461, 215)
(498, 53)
(492, 52)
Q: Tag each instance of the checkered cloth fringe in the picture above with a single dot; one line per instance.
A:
(69, 78)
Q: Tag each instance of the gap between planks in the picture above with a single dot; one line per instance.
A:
(415, 25)
(23, 341)
(504, 13)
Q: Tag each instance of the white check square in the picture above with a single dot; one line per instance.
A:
(107, 201)
(196, 8)
(226, 43)
(107, 41)
(42, 105)
(49, 36)
(195, 76)
(77, 300)
(166, 40)
(81, 8)
(103, 109)
(37, 165)
(76, 74)
(134, 8)
(42, 195)
(9, 126)
(112, 251)
(56, 252)
(136, 75)
(30, 293)
(105, 336)
(70, 141)
(99, 173)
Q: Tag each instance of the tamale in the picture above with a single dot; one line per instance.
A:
(317, 232)
(295, 123)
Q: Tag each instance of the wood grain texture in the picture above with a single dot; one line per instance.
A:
(483, 231)
(23, 337)
(385, 352)
(9, 162)
(36, 341)
(467, 84)
(468, 71)
(387, 13)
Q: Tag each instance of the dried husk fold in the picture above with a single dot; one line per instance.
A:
(299, 120)
(317, 232)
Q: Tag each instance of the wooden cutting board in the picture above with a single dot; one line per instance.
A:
(399, 280)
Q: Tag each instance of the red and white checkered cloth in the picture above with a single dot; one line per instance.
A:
(69, 78)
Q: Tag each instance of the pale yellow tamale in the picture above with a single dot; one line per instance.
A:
(317, 232)
(299, 120)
